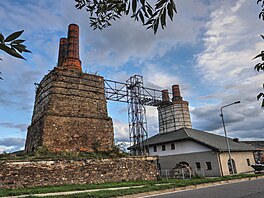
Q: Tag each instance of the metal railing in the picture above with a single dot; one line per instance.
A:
(181, 173)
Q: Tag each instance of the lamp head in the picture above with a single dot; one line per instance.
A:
(237, 102)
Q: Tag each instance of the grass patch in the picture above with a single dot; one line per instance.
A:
(43, 153)
(71, 187)
(148, 186)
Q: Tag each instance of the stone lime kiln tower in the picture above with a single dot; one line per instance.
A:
(173, 115)
(70, 112)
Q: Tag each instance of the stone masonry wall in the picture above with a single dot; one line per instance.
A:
(70, 113)
(46, 173)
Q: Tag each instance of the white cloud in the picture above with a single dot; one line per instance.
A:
(226, 63)
(127, 41)
(121, 131)
(230, 43)
(152, 121)
(20, 127)
(159, 78)
(11, 144)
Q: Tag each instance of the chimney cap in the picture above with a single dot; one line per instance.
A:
(63, 40)
(73, 24)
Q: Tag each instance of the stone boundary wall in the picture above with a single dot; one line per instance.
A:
(25, 174)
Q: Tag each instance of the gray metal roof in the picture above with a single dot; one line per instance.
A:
(210, 140)
(258, 144)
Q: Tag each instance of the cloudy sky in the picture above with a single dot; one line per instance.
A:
(207, 50)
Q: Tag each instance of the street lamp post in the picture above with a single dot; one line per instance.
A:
(227, 142)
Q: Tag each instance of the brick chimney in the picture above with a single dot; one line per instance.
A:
(176, 95)
(62, 51)
(165, 95)
(71, 60)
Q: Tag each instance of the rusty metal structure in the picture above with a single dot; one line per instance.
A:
(173, 111)
(137, 96)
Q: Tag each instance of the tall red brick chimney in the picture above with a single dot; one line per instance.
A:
(72, 61)
(62, 51)
(176, 95)
(165, 95)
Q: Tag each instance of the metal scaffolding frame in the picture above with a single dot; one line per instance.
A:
(137, 97)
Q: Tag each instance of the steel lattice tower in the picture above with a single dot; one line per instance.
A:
(137, 115)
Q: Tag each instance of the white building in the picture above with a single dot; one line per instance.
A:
(205, 153)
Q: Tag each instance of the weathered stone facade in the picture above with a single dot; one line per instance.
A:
(70, 112)
(46, 173)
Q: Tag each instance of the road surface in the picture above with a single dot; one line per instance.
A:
(245, 189)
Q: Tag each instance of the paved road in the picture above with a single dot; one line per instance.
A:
(246, 189)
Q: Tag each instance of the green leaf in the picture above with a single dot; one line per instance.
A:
(150, 21)
(134, 5)
(259, 66)
(259, 55)
(141, 17)
(142, 2)
(2, 39)
(163, 18)
(173, 5)
(260, 95)
(149, 9)
(160, 4)
(13, 36)
(170, 11)
(151, 26)
(261, 15)
(18, 41)
(19, 48)
(156, 25)
(128, 8)
(10, 51)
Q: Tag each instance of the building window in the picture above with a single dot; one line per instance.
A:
(248, 162)
(172, 146)
(209, 165)
(163, 147)
(198, 165)
(155, 149)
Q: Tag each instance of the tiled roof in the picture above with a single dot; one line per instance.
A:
(210, 140)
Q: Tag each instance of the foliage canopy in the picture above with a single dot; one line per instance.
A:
(260, 66)
(12, 45)
(103, 12)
